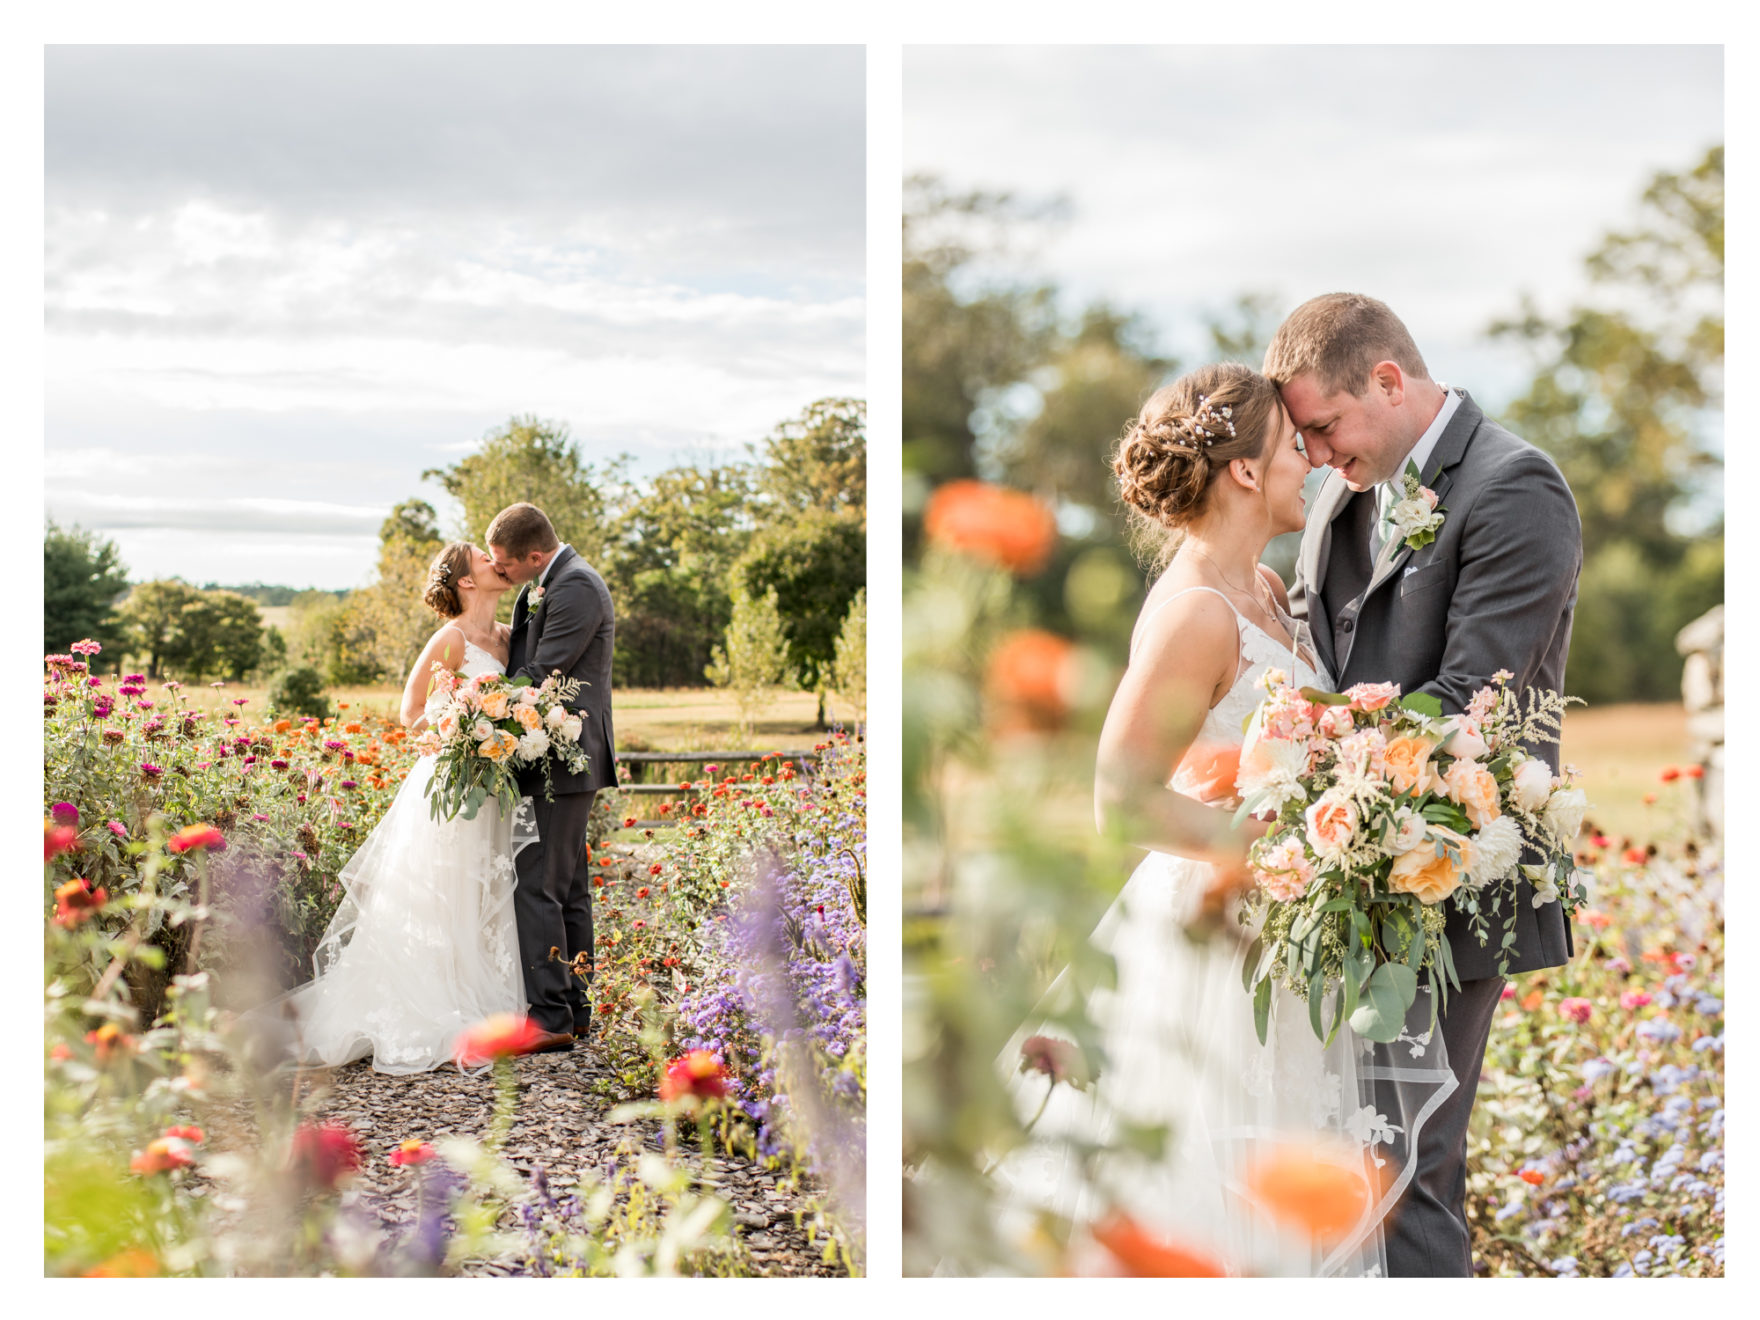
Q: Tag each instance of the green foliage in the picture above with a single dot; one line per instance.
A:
(813, 565)
(83, 578)
(1624, 393)
(849, 664)
(299, 691)
(194, 634)
(532, 461)
(389, 614)
(819, 460)
(753, 662)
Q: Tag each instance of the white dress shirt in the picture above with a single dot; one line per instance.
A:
(1391, 491)
(552, 563)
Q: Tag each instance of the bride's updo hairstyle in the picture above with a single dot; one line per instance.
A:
(1185, 436)
(451, 564)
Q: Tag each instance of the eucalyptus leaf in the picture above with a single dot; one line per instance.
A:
(1262, 1007)
(1422, 703)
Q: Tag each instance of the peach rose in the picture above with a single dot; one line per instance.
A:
(495, 704)
(528, 717)
(1429, 876)
(1472, 787)
(1336, 721)
(1371, 696)
(1332, 822)
(1408, 765)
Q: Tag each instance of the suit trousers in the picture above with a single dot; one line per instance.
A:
(1427, 1235)
(553, 909)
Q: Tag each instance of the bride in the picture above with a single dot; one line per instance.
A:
(423, 943)
(1213, 466)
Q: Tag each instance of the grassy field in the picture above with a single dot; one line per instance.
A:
(1619, 751)
(666, 719)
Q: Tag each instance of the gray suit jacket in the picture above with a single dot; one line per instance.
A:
(572, 632)
(1494, 590)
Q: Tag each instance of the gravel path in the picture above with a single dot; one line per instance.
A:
(560, 1127)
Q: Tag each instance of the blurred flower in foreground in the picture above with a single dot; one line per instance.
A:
(130, 1264)
(1006, 527)
(163, 1155)
(57, 839)
(414, 1151)
(324, 1155)
(192, 837)
(76, 900)
(1032, 676)
(1059, 1060)
(1306, 1189)
(698, 1075)
(499, 1037)
(1146, 1257)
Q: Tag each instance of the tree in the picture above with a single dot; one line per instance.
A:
(390, 615)
(849, 665)
(814, 565)
(152, 614)
(819, 460)
(83, 578)
(532, 461)
(215, 632)
(753, 661)
(1623, 391)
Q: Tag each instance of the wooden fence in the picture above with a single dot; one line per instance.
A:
(804, 760)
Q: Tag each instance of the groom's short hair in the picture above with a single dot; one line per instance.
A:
(1338, 338)
(520, 529)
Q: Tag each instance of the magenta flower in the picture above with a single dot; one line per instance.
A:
(150, 770)
(119, 829)
(1633, 999)
(1577, 1010)
(85, 646)
(65, 813)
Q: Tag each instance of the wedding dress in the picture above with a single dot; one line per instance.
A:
(1180, 1052)
(423, 943)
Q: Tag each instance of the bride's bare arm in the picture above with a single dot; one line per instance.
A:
(1184, 662)
(446, 646)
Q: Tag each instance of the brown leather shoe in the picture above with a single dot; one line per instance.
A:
(549, 1042)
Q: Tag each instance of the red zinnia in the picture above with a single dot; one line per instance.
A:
(193, 837)
(413, 1151)
(1533, 1177)
(162, 1156)
(58, 839)
(1006, 527)
(109, 1039)
(698, 1074)
(497, 1037)
(324, 1155)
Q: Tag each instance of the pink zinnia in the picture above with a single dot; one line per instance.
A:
(1633, 999)
(1577, 1010)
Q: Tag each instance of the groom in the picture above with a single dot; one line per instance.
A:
(562, 623)
(1494, 590)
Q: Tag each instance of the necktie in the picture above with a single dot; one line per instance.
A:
(1378, 532)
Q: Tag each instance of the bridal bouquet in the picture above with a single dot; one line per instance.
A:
(1385, 811)
(492, 728)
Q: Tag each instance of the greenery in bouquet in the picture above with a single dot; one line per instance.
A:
(494, 727)
(1384, 811)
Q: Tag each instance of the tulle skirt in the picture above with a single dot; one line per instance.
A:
(1180, 1053)
(423, 943)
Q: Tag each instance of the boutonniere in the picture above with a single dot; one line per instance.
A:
(534, 602)
(1415, 517)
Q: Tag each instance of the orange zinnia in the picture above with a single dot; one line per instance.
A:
(130, 1264)
(697, 1074)
(497, 1037)
(1147, 1257)
(1304, 1188)
(1005, 527)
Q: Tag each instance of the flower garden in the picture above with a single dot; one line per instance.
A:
(1596, 1146)
(190, 863)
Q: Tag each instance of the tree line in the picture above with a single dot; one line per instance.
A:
(1004, 381)
(784, 526)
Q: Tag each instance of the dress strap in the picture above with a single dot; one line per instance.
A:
(1239, 618)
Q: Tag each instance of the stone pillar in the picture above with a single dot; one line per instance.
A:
(1701, 642)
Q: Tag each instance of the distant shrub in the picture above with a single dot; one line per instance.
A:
(299, 691)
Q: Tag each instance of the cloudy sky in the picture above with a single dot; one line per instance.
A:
(281, 282)
(1446, 180)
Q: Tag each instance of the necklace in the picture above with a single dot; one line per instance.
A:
(1262, 598)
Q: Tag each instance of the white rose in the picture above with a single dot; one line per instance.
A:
(1410, 513)
(1464, 739)
(557, 717)
(1532, 785)
(1410, 833)
(482, 729)
(528, 696)
(1496, 850)
(1564, 814)
(571, 728)
(533, 744)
